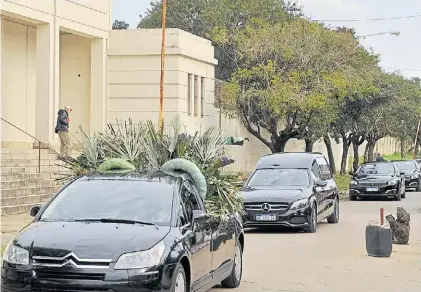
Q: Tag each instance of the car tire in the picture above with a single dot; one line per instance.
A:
(352, 197)
(312, 225)
(234, 279)
(418, 189)
(398, 197)
(179, 282)
(334, 217)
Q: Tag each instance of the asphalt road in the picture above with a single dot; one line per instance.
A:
(334, 258)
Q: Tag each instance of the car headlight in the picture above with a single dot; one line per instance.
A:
(354, 182)
(16, 255)
(393, 182)
(141, 259)
(299, 204)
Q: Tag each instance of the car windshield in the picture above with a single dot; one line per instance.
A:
(96, 199)
(273, 178)
(406, 166)
(376, 169)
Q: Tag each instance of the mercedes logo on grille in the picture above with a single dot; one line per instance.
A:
(265, 207)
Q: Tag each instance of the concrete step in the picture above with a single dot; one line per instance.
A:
(12, 184)
(24, 200)
(14, 210)
(28, 191)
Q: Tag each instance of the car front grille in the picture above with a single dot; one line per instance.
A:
(58, 275)
(65, 288)
(72, 260)
(366, 184)
(266, 207)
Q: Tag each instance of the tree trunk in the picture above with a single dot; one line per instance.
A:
(366, 152)
(356, 162)
(402, 147)
(371, 151)
(280, 146)
(330, 155)
(309, 145)
(345, 149)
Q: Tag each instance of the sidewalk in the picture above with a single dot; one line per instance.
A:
(11, 224)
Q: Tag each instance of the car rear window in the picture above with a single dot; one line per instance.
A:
(376, 168)
(407, 166)
(146, 201)
(273, 177)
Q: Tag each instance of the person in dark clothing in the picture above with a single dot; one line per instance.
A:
(62, 129)
(379, 157)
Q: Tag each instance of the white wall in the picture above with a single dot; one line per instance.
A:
(18, 51)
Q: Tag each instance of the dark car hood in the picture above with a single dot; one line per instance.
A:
(89, 240)
(291, 194)
(375, 179)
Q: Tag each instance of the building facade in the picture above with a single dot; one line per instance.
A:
(53, 53)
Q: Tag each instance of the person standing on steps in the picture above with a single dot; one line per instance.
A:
(62, 129)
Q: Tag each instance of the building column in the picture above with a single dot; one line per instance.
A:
(46, 81)
(98, 103)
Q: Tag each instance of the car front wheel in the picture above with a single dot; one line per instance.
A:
(312, 224)
(179, 283)
(334, 217)
(398, 197)
(234, 280)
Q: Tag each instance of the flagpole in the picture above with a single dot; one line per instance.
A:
(161, 93)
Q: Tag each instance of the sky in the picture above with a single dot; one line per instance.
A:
(401, 52)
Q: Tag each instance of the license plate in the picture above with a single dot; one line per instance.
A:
(372, 189)
(266, 218)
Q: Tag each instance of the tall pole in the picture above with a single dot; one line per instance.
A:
(161, 93)
(416, 140)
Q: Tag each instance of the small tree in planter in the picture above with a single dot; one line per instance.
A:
(148, 151)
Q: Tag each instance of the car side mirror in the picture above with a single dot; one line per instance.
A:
(320, 183)
(35, 210)
(200, 216)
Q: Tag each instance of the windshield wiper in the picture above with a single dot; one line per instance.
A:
(112, 220)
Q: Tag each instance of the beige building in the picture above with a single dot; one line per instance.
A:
(53, 53)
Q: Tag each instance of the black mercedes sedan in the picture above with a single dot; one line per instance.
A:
(412, 172)
(291, 189)
(122, 234)
(377, 179)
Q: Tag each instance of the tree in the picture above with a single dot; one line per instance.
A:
(201, 17)
(286, 75)
(120, 24)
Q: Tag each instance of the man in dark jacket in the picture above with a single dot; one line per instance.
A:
(379, 157)
(62, 129)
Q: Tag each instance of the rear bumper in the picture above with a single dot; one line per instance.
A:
(15, 279)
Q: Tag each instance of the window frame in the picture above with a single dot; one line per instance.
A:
(330, 176)
(189, 93)
(202, 96)
(319, 177)
(196, 96)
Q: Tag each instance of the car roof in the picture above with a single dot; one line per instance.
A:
(162, 177)
(288, 160)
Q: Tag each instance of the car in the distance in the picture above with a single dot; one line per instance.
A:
(291, 189)
(412, 172)
(377, 179)
(119, 233)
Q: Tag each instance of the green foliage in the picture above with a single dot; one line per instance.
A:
(290, 75)
(120, 24)
(342, 181)
(129, 146)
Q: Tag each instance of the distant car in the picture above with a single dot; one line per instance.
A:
(125, 234)
(377, 179)
(412, 172)
(291, 189)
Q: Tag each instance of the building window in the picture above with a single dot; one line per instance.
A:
(196, 95)
(202, 96)
(189, 85)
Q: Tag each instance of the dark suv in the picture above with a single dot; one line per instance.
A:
(411, 170)
(291, 189)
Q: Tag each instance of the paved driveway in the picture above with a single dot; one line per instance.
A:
(334, 258)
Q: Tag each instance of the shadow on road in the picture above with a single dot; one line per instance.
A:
(280, 229)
